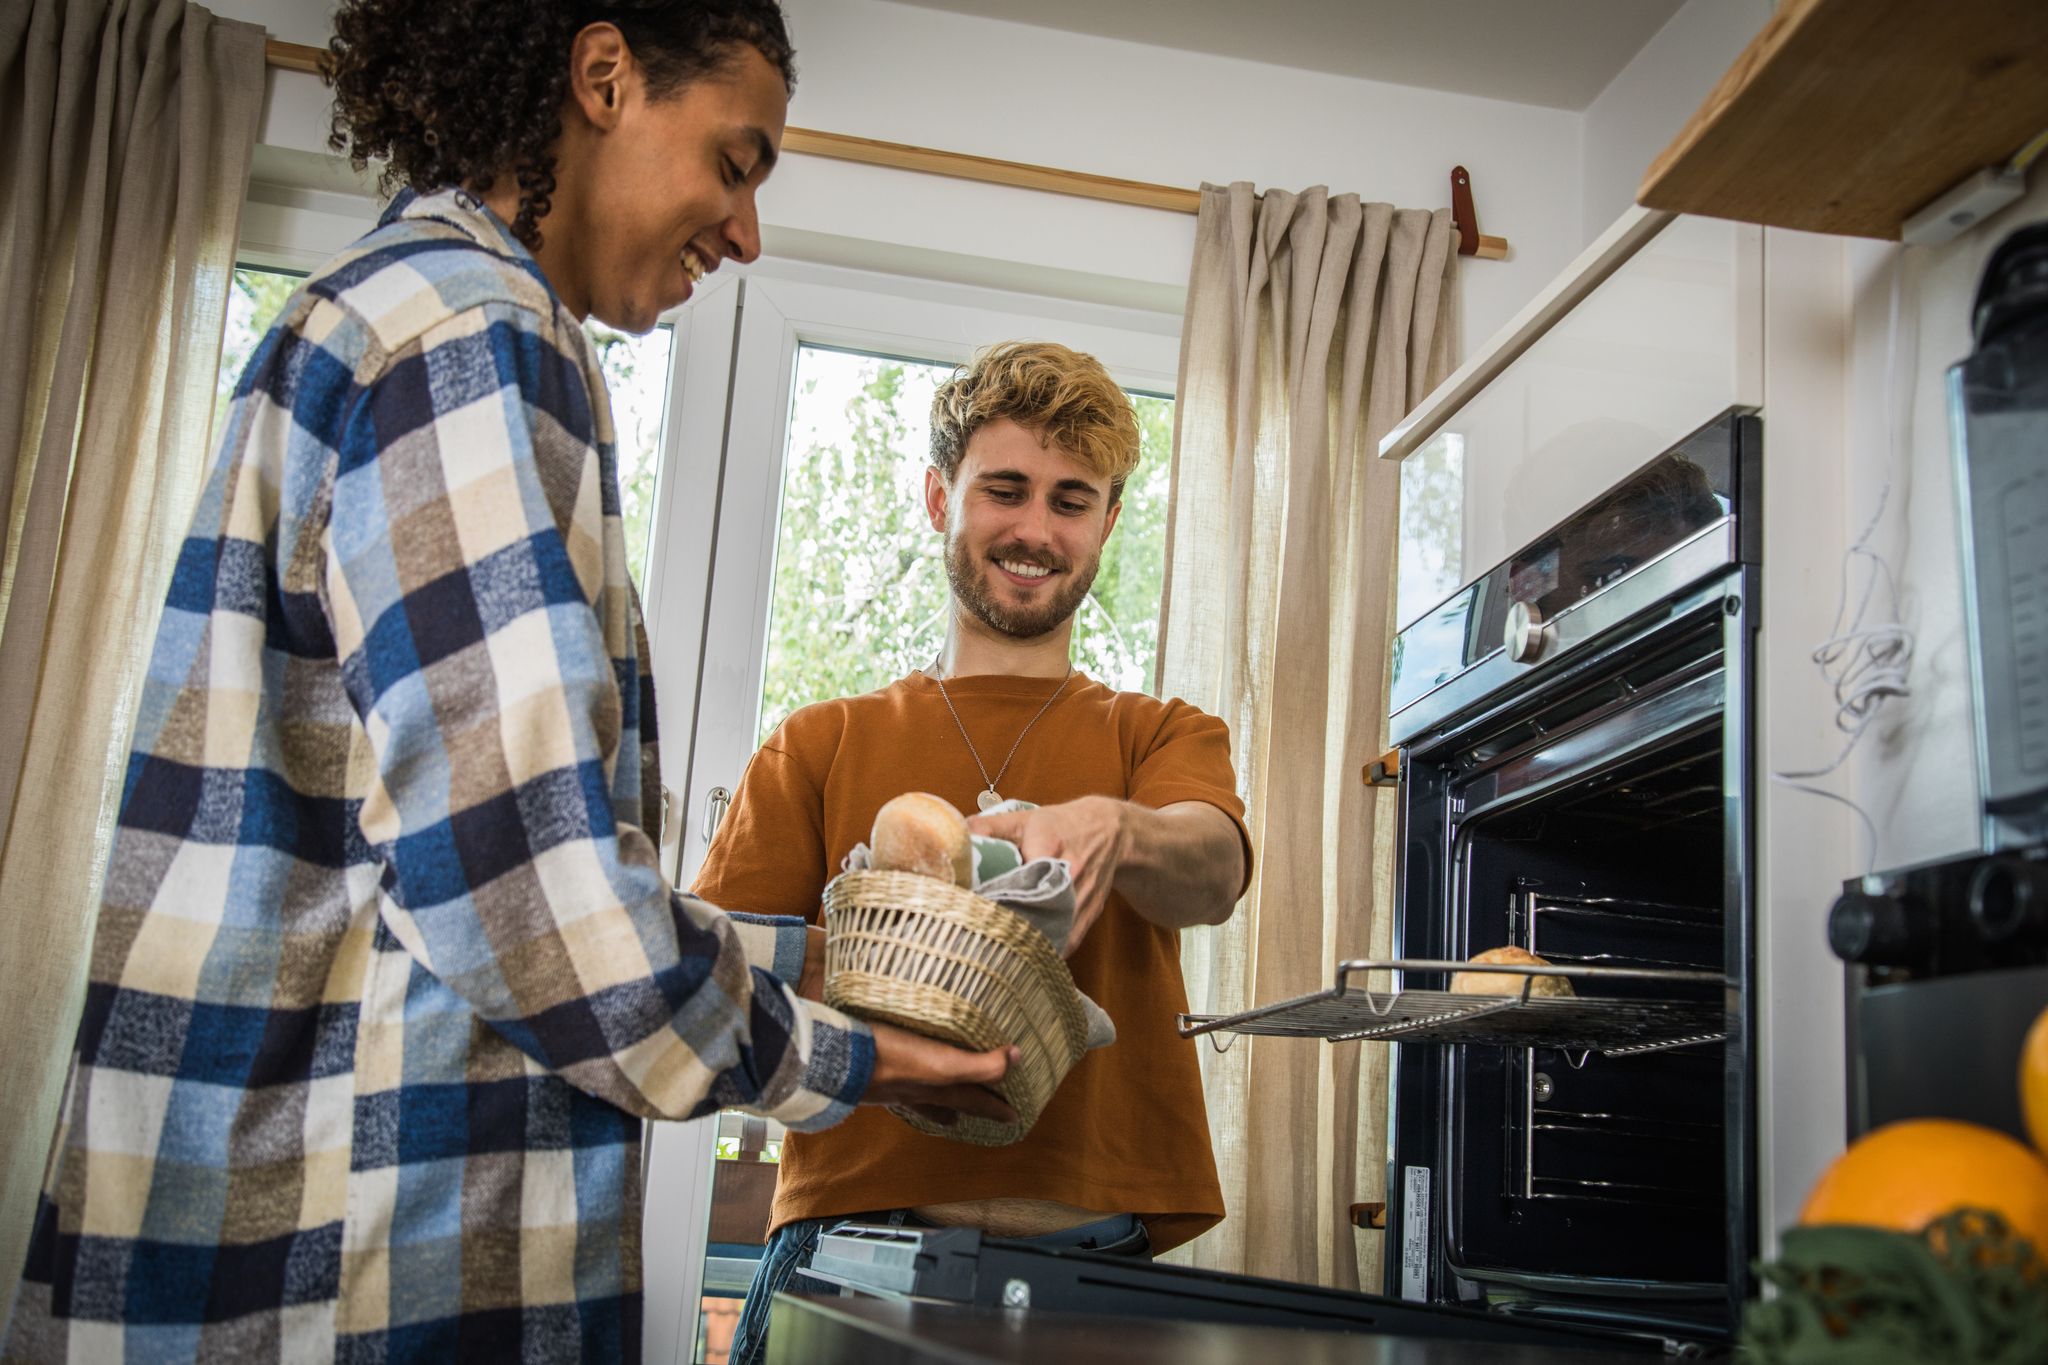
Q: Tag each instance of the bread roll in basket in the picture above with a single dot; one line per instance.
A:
(932, 957)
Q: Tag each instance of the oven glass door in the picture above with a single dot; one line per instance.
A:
(1600, 819)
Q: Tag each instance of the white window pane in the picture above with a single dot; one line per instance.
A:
(1432, 534)
(1116, 630)
(636, 370)
(860, 576)
(255, 298)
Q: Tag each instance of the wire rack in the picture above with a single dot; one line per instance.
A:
(1613, 1026)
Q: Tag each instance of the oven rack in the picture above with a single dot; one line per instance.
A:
(1609, 1025)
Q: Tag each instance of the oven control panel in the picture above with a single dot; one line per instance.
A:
(1580, 578)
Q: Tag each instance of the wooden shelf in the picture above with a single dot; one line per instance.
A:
(1849, 116)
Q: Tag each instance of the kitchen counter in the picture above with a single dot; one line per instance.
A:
(809, 1329)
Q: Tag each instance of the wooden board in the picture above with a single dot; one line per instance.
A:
(1848, 116)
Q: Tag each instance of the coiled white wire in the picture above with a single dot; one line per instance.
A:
(1866, 662)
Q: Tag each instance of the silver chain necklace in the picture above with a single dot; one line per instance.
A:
(991, 798)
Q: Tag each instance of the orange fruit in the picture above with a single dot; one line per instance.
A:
(2034, 1082)
(1907, 1174)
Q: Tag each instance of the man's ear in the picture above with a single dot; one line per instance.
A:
(600, 67)
(1109, 523)
(935, 495)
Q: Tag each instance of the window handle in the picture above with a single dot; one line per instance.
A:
(717, 802)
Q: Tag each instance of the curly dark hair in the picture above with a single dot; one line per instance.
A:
(459, 92)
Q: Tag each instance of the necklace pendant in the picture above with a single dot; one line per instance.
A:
(988, 800)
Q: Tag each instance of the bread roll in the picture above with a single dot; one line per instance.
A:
(1508, 983)
(921, 833)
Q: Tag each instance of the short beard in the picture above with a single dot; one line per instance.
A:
(969, 578)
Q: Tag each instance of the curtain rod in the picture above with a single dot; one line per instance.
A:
(904, 157)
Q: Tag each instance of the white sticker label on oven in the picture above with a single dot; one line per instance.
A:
(1415, 1233)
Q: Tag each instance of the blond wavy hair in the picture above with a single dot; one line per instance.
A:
(1062, 395)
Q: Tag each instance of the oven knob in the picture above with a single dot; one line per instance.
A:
(1527, 634)
(1878, 931)
(2009, 902)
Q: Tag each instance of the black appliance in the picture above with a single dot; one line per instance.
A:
(1948, 960)
(963, 1266)
(1576, 779)
(1998, 402)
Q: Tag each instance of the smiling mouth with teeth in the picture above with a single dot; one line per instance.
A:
(693, 265)
(1023, 570)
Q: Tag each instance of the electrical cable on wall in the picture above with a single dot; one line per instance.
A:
(1866, 661)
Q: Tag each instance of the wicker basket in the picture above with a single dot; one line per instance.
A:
(929, 957)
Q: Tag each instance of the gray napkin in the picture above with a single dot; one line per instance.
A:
(1043, 893)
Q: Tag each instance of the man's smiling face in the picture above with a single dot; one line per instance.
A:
(1025, 524)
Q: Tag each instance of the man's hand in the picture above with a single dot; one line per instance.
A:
(1178, 866)
(937, 1079)
(1092, 834)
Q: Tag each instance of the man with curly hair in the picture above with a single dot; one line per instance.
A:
(386, 976)
(1031, 446)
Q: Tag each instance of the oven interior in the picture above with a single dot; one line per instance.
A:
(1589, 1172)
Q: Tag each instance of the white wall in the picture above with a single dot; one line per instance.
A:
(1916, 771)
(1651, 98)
(903, 74)
(1805, 846)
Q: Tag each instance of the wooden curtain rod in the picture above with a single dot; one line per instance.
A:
(904, 157)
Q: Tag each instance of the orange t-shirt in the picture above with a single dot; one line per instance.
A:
(1126, 1132)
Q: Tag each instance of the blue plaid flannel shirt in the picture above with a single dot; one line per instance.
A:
(386, 974)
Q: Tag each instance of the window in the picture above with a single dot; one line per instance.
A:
(636, 375)
(1432, 526)
(255, 298)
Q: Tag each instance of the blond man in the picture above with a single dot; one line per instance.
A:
(1031, 446)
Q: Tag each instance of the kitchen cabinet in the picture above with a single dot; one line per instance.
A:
(1850, 116)
(1614, 373)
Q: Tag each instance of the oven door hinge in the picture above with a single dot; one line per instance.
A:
(1384, 771)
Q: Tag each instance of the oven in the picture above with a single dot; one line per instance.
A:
(1576, 735)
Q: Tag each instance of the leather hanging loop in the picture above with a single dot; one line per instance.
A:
(1462, 212)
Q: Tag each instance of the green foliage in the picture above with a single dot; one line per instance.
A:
(1966, 1290)
(860, 576)
(860, 593)
(1116, 631)
(255, 298)
(1432, 528)
(636, 371)
(728, 1148)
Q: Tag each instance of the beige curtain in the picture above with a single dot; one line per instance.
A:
(125, 134)
(1313, 324)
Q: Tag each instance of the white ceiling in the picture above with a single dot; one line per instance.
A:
(1559, 53)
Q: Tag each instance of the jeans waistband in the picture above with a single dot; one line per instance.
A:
(1112, 1232)
(1103, 1232)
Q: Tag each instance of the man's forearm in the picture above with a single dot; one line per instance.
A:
(1182, 865)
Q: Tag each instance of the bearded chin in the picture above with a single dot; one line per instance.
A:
(971, 588)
